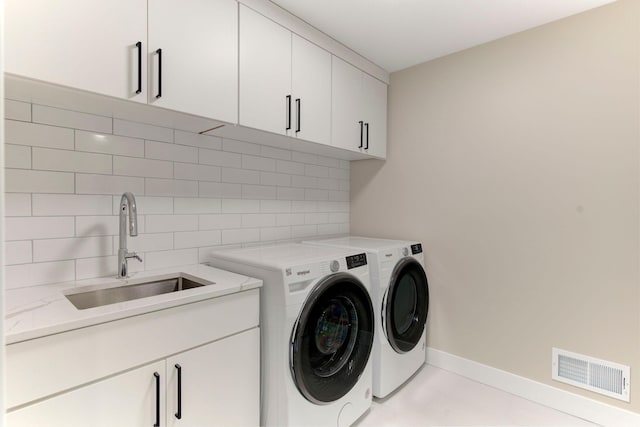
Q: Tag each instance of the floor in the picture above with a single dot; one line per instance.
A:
(434, 397)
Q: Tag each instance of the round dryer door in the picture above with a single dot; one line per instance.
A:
(406, 305)
(332, 338)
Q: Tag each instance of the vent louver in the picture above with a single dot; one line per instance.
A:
(600, 376)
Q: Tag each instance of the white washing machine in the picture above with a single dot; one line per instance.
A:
(400, 294)
(317, 326)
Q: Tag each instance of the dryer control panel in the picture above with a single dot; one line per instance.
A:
(358, 260)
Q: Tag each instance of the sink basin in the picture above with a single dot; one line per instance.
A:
(128, 292)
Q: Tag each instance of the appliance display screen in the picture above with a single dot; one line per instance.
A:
(416, 249)
(354, 261)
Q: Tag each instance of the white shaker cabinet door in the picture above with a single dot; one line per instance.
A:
(347, 115)
(85, 44)
(220, 383)
(265, 73)
(197, 42)
(311, 90)
(375, 113)
(126, 400)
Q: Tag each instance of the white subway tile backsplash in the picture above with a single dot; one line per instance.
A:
(30, 181)
(17, 204)
(197, 206)
(275, 233)
(240, 147)
(132, 166)
(108, 184)
(170, 187)
(194, 193)
(219, 222)
(17, 156)
(196, 172)
(245, 235)
(258, 192)
(275, 206)
(17, 110)
(220, 190)
(163, 259)
(240, 206)
(79, 247)
(109, 144)
(277, 179)
(197, 140)
(195, 239)
(258, 163)
(172, 152)
(22, 275)
(240, 176)
(37, 135)
(166, 223)
(71, 119)
(18, 252)
(71, 161)
(258, 220)
(70, 204)
(219, 158)
(143, 131)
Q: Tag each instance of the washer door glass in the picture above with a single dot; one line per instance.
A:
(407, 305)
(332, 338)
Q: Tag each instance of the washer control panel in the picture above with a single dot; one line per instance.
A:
(358, 260)
(416, 249)
(334, 266)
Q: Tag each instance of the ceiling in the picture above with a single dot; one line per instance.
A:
(397, 34)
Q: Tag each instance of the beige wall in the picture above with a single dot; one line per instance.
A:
(517, 164)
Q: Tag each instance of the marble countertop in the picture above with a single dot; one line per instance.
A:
(38, 311)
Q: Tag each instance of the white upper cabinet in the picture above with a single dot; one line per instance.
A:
(265, 73)
(285, 81)
(311, 91)
(86, 44)
(358, 110)
(193, 57)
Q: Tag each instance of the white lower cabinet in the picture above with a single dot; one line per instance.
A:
(125, 373)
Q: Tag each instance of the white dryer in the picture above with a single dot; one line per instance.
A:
(400, 294)
(317, 326)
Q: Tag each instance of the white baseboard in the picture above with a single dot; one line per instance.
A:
(561, 400)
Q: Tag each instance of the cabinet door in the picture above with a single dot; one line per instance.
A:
(346, 106)
(311, 89)
(265, 73)
(125, 400)
(220, 383)
(85, 44)
(375, 113)
(199, 43)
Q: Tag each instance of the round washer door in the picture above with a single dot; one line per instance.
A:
(332, 338)
(406, 305)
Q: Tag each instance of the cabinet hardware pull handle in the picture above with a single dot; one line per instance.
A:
(288, 112)
(361, 139)
(298, 104)
(366, 125)
(179, 413)
(159, 52)
(157, 375)
(139, 46)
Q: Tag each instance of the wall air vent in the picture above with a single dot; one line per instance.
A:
(600, 376)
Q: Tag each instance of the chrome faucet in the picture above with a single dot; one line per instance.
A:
(127, 199)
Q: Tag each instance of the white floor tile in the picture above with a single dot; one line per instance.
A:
(434, 397)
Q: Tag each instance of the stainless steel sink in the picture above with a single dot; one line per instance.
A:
(128, 292)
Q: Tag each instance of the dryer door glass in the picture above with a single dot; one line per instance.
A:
(407, 305)
(332, 338)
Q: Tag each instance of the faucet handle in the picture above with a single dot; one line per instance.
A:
(133, 255)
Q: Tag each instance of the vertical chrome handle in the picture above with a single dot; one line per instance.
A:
(139, 46)
(159, 52)
(288, 112)
(366, 125)
(361, 130)
(157, 375)
(179, 413)
(298, 102)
